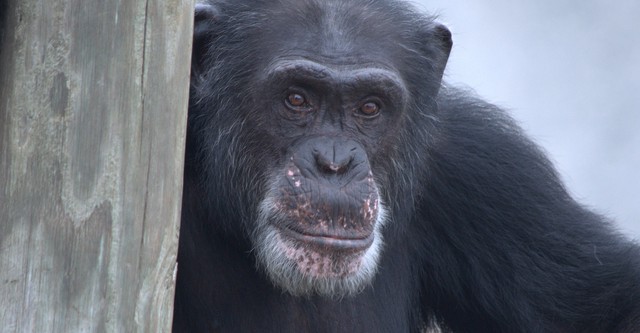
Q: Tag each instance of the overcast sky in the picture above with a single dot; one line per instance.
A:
(569, 72)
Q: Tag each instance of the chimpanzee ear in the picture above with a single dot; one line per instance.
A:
(205, 17)
(436, 43)
(442, 40)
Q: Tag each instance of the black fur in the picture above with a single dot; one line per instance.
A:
(482, 235)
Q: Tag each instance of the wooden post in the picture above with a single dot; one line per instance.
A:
(93, 100)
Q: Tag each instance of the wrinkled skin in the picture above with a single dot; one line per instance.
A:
(333, 183)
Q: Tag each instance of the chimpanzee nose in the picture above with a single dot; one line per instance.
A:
(333, 156)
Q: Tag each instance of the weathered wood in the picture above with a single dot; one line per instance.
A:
(93, 98)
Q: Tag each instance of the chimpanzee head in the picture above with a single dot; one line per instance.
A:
(301, 129)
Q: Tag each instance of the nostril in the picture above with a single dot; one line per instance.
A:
(333, 167)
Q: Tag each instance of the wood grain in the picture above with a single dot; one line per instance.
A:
(93, 99)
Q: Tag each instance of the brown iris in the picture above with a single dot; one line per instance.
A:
(370, 108)
(296, 100)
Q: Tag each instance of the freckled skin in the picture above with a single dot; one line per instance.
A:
(320, 262)
(346, 211)
(333, 212)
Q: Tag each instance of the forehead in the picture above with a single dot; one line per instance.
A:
(338, 32)
(369, 76)
(309, 70)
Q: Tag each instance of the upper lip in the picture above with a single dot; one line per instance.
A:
(332, 241)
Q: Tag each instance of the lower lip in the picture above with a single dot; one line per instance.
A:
(329, 242)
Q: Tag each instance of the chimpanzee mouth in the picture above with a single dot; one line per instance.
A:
(315, 239)
(331, 256)
(329, 242)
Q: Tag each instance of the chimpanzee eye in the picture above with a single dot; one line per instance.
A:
(370, 108)
(296, 100)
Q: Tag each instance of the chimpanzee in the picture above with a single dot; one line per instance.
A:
(333, 183)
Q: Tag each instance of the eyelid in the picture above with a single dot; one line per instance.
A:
(299, 91)
(373, 99)
(369, 99)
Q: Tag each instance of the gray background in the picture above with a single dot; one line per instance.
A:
(569, 72)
